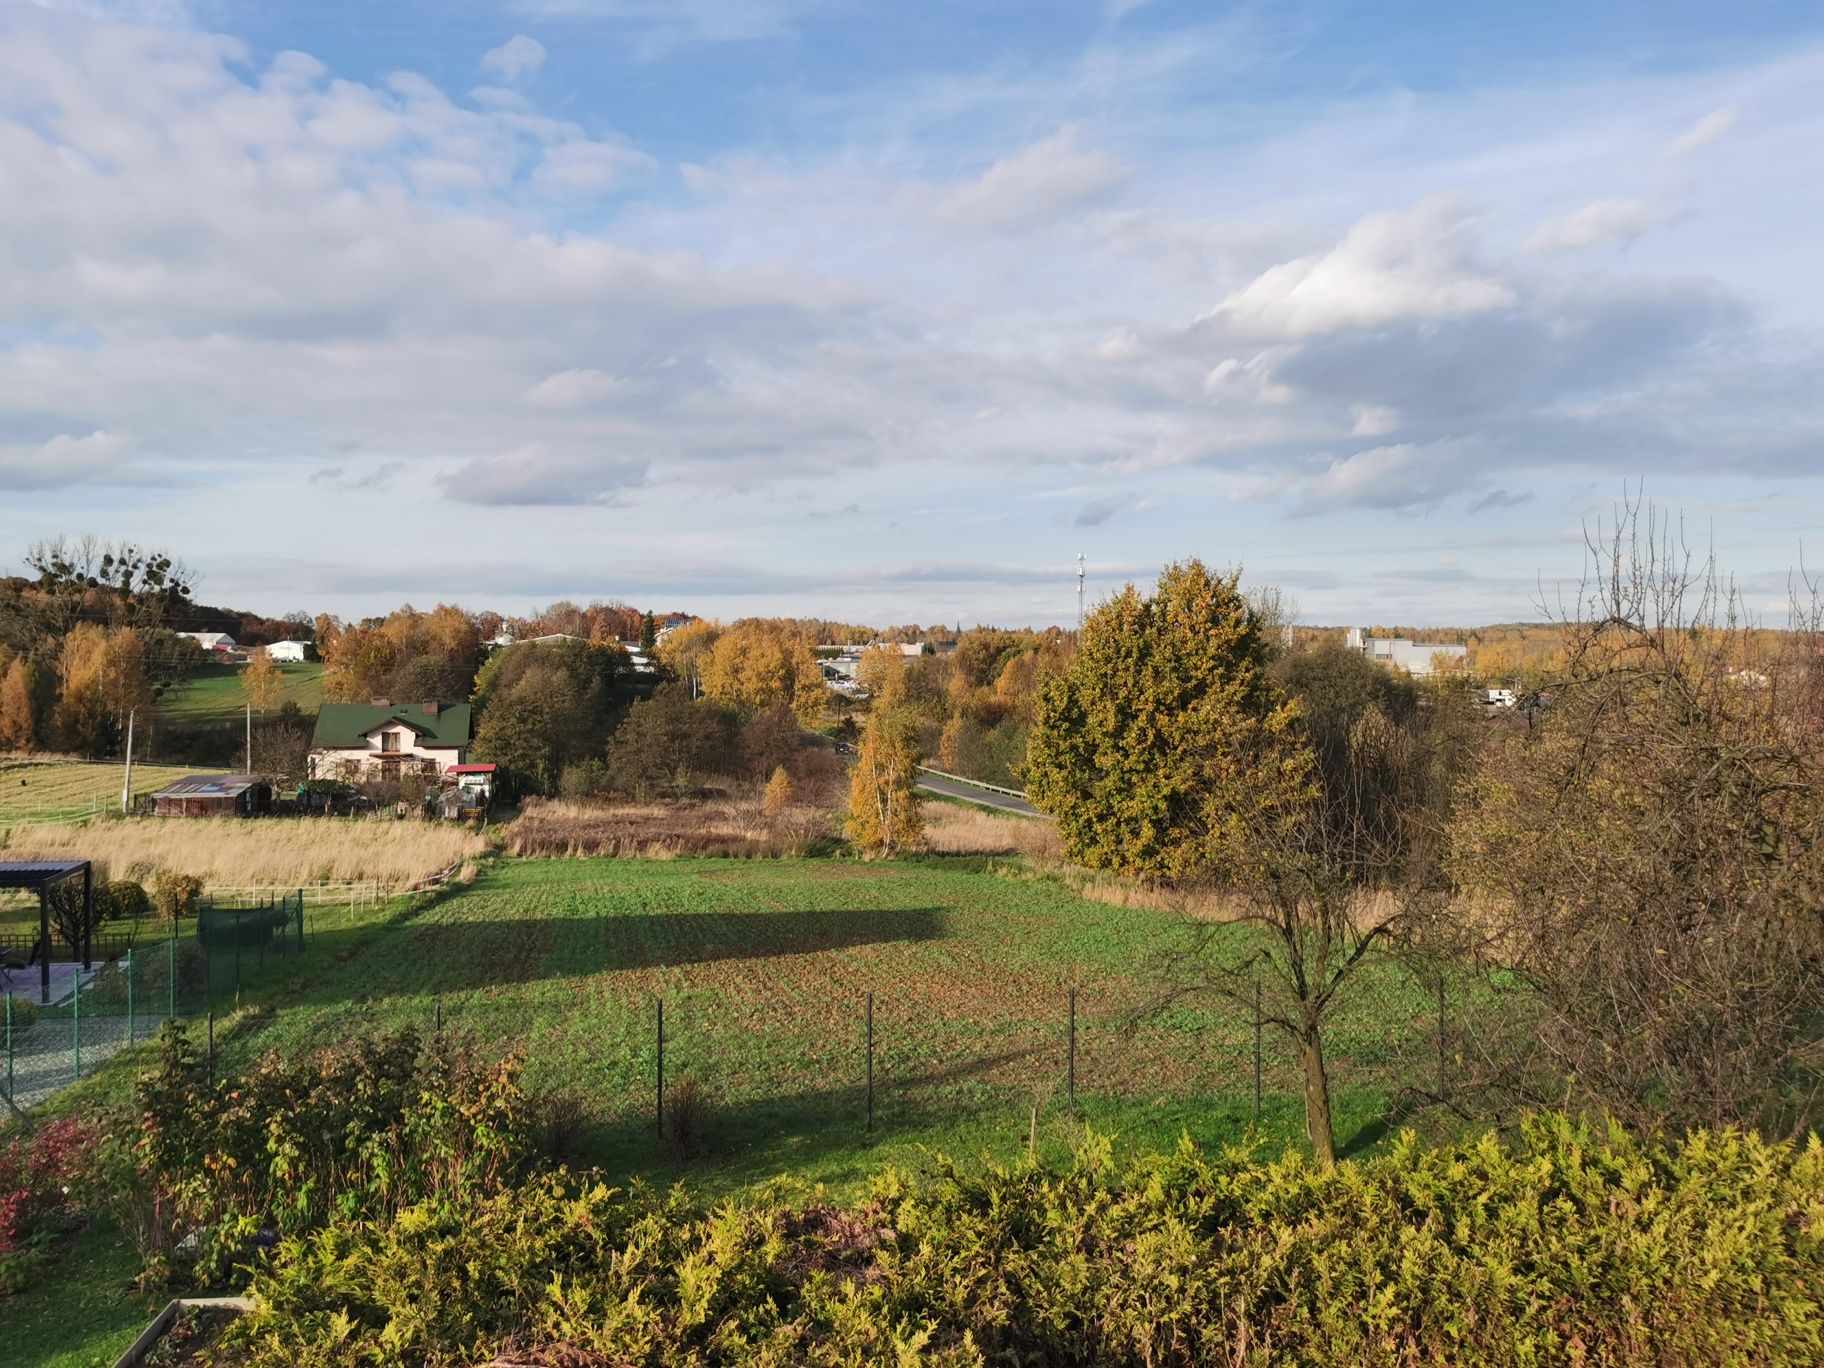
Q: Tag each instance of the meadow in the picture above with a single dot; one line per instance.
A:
(38, 791)
(213, 692)
(764, 968)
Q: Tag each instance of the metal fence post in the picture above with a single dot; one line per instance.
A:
(1070, 1082)
(129, 995)
(76, 1019)
(870, 1061)
(660, 1107)
(211, 1029)
(437, 1018)
(171, 975)
(1256, 1047)
(9, 1045)
(1443, 1047)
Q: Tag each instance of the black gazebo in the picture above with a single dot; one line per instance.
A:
(42, 876)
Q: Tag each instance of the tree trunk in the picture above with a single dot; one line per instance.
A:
(1317, 1098)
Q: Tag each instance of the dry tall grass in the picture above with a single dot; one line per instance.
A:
(277, 850)
(666, 830)
(954, 830)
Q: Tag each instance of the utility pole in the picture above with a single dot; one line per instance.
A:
(126, 782)
(1080, 571)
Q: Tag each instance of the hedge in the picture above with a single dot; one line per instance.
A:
(1563, 1245)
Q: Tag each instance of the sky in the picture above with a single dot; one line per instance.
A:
(887, 313)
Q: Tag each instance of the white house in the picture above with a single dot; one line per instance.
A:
(378, 740)
(293, 651)
(219, 642)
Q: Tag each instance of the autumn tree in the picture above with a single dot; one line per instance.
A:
(102, 677)
(885, 818)
(686, 651)
(261, 681)
(758, 663)
(778, 795)
(1165, 745)
(18, 707)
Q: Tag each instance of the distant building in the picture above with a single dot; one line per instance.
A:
(214, 795)
(219, 642)
(295, 652)
(372, 740)
(1403, 653)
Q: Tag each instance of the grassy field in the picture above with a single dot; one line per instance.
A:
(286, 851)
(764, 968)
(31, 792)
(213, 692)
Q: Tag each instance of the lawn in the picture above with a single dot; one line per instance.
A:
(41, 792)
(764, 968)
(213, 692)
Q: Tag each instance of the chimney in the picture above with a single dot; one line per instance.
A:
(431, 707)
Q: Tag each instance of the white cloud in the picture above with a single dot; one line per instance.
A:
(1393, 267)
(580, 169)
(1704, 132)
(1373, 420)
(579, 388)
(518, 56)
(1034, 186)
(1598, 223)
(97, 459)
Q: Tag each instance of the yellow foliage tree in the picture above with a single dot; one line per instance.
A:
(684, 650)
(884, 813)
(18, 714)
(756, 664)
(262, 682)
(778, 795)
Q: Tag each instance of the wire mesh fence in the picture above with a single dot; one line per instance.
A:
(57, 1033)
(776, 1071)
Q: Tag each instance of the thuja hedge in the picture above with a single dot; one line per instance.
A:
(1563, 1245)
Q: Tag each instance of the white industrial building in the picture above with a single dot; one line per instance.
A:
(1403, 653)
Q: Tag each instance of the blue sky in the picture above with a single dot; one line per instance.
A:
(886, 312)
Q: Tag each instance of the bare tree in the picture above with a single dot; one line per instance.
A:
(1350, 875)
(1645, 858)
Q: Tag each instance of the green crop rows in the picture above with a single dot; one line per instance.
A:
(764, 969)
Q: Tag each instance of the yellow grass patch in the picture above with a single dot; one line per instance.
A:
(954, 830)
(226, 852)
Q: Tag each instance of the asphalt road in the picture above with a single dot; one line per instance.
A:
(969, 793)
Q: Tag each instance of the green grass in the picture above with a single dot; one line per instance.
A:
(81, 1313)
(764, 968)
(34, 792)
(213, 692)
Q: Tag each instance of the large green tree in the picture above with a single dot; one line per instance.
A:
(1165, 747)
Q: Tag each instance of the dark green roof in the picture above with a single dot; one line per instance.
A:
(344, 726)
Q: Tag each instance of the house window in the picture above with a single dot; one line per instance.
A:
(389, 742)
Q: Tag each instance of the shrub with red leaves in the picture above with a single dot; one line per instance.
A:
(37, 1174)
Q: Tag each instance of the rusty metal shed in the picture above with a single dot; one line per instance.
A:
(214, 795)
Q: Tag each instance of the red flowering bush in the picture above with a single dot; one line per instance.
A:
(40, 1171)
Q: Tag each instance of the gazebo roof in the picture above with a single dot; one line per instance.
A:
(37, 873)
